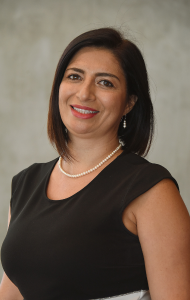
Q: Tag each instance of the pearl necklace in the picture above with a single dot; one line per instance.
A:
(91, 170)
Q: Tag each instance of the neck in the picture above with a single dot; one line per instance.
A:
(89, 152)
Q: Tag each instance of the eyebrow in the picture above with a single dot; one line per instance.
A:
(97, 74)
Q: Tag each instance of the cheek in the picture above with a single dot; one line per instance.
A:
(116, 102)
(64, 92)
(62, 98)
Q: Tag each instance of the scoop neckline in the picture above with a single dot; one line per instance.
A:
(85, 187)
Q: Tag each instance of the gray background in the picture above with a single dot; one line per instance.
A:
(33, 35)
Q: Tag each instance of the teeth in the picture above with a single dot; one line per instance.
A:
(84, 111)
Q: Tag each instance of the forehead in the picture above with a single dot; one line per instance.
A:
(100, 59)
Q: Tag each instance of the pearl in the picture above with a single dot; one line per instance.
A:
(91, 170)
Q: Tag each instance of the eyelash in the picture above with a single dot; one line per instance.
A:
(106, 81)
(74, 75)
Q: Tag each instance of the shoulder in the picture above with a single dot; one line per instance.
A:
(143, 174)
(34, 170)
(149, 185)
(143, 165)
(161, 196)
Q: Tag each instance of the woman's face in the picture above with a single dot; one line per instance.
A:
(93, 94)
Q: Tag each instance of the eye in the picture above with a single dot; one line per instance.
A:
(74, 77)
(106, 83)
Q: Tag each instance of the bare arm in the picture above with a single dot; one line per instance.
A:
(163, 226)
(8, 291)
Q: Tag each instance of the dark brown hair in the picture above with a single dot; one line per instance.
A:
(137, 137)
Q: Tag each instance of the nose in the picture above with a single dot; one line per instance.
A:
(86, 91)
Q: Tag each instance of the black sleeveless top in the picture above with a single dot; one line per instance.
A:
(77, 248)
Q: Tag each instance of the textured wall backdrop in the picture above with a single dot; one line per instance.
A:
(33, 34)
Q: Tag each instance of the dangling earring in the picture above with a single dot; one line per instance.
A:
(124, 122)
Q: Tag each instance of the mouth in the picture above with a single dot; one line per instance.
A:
(83, 112)
(84, 109)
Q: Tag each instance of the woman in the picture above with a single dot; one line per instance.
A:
(99, 221)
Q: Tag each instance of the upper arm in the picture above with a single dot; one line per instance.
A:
(8, 291)
(163, 225)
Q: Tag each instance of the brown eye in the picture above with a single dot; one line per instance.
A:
(74, 77)
(106, 83)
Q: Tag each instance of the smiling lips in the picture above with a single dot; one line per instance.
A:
(83, 112)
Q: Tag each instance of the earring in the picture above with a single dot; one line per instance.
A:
(124, 122)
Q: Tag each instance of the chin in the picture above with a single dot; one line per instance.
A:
(78, 130)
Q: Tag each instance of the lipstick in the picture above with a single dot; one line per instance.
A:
(83, 112)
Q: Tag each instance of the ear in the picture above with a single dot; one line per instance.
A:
(130, 104)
